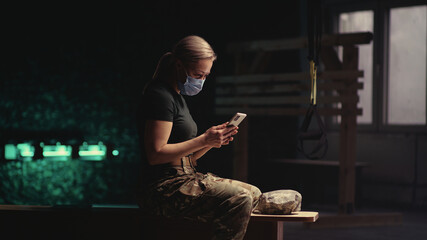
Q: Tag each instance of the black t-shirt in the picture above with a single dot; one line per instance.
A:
(161, 102)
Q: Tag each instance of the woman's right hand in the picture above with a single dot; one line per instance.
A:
(217, 136)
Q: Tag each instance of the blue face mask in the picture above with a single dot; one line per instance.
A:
(191, 87)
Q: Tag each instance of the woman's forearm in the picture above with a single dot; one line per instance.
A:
(201, 152)
(175, 151)
(160, 152)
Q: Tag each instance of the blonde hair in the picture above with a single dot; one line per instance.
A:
(188, 50)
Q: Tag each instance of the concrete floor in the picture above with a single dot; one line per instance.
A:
(413, 227)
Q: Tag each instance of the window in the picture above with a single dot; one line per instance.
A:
(394, 65)
(406, 96)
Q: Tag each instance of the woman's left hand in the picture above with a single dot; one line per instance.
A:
(219, 135)
(230, 131)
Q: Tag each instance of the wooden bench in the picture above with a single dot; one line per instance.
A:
(126, 222)
(266, 227)
(263, 226)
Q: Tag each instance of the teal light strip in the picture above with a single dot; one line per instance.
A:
(57, 151)
(83, 153)
(10, 152)
(26, 150)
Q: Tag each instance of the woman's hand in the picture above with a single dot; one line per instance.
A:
(217, 136)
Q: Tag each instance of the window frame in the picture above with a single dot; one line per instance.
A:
(381, 10)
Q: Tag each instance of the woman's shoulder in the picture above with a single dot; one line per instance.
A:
(159, 89)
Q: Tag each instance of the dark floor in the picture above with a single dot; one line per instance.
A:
(99, 222)
(413, 226)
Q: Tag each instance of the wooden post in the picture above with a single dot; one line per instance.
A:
(264, 230)
(241, 149)
(347, 152)
(240, 152)
(240, 145)
(348, 132)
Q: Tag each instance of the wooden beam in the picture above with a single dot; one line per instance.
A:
(347, 152)
(308, 162)
(286, 77)
(282, 100)
(282, 111)
(301, 42)
(240, 90)
(260, 62)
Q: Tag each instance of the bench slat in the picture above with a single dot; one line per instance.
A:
(300, 42)
(343, 75)
(302, 216)
(283, 111)
(282, 100)
(307, 162)
(283, 88)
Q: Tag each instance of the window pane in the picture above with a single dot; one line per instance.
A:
(407, 66)
(361, 21)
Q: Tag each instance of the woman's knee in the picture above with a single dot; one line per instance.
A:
(233, 195)
(256, 193)
(253, 190)
(243, 201)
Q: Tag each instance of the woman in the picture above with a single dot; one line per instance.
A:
(170, 148)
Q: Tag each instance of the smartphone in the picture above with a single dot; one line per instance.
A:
(236, 119)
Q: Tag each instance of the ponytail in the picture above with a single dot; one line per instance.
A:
(163, 65)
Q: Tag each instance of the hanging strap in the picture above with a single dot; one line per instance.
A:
(313, 82)
(321, 146)
(314, 27)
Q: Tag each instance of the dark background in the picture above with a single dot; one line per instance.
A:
(73, 72)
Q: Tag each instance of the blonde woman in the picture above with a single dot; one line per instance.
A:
(170, 148)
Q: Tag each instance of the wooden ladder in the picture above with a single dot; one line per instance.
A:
(264, 94)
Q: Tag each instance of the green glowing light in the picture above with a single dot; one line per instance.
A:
(21, 151)
(93, 152)
(26, 150)
(115, 153)
(10, 152)
(57, 152)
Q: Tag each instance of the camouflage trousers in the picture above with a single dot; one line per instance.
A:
(184, 192)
